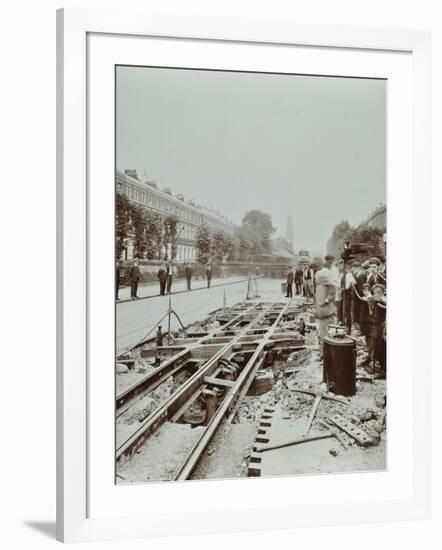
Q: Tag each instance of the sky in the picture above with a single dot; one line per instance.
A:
(313, 146)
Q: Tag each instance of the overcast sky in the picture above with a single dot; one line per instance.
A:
(314, 146)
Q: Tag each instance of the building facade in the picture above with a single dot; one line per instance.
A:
(190, 215)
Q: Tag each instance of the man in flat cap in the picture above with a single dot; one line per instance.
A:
(373, 272)
(329, 263)
(360, 275)
(326, 287)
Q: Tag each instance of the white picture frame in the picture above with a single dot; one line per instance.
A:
(80, 514)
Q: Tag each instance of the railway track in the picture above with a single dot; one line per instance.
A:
(223, 364)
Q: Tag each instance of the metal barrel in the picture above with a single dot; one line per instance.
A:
(340, 364)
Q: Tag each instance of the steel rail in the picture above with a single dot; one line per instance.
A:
(180, 396)
(126, 399)
(228, 406)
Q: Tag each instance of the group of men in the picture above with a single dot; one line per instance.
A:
(352, 294)
(165, 277)
(303, 279)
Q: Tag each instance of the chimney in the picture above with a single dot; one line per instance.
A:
(132, 173)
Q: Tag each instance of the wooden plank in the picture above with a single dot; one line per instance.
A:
(218, 381)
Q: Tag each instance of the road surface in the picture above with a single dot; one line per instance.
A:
(136, 318)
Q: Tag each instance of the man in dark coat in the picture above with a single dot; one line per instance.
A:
(308, 278)
(134, 277)
(117, 279)
(360, 275)
(169, 277)
(188, 272)
(209, 276)
(290, 279)
(162, 277)
(373, 276)
(298, 280)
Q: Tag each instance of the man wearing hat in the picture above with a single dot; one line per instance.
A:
(290, 279)
(326, 286)
(360, 275)
(373, 277)
(329, 263)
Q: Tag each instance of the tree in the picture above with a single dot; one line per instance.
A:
(122, 222)
(138, 224)
(336, 241)
(231, 248)
(372, 237)
(363, 234)
(203, 244)
(249, 242)
(259, 228)
(170, 235)
(154, 231)
(219, 246)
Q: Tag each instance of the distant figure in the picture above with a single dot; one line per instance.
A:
(307, 278)
(298, 280)
(257, 272)
(162, 277)
(159, 343)
(117, 279)
(134, 277)
(169, 277)
(290, 279)
(209, 276)
(188, 272)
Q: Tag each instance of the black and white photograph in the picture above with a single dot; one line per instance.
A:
(250, 274)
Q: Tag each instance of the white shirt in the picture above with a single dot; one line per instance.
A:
(334, 274)
(349, 280)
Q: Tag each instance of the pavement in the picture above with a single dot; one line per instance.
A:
(137, 319)
(149, 290)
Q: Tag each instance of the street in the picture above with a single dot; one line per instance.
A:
(136, 318)
(149, 290)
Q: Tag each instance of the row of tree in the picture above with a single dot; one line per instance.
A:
(155, 236)
(253, 238)
(371, 237)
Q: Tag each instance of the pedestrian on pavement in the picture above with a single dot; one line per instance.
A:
(169, 277)
(162, 277)
(298, 280)
(290, 279)
(209, 276)
(134, 277)
(188, 272)
(117, 279)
